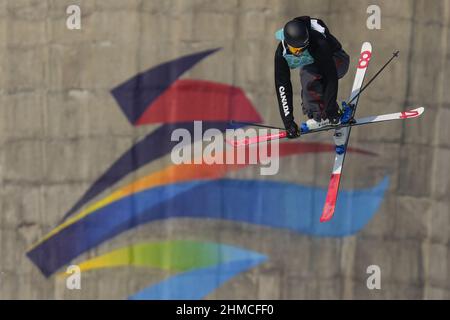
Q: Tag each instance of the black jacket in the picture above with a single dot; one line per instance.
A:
(321, 49)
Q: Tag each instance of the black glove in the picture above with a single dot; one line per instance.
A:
(292, 130)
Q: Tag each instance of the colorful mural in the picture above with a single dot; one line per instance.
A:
(191, 191)
(201, 265)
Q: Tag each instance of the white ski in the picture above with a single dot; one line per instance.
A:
(333, 187)
(414, 113)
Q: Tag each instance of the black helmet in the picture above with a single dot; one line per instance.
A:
(296, 34)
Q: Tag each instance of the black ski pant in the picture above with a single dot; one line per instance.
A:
(312, 87)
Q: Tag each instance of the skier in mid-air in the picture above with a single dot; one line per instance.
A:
(306, 43)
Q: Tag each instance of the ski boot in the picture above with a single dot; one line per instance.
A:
(343, 116)
(312, 124)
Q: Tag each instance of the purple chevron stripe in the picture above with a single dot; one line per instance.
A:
(137, 94)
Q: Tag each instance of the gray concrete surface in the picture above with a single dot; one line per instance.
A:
(60, 129)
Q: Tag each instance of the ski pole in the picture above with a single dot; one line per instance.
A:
(394, 55)
(255, 125)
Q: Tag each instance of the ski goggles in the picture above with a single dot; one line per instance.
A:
(296, 51)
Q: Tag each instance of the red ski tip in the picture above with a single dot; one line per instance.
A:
(330, 202)
(328, 212)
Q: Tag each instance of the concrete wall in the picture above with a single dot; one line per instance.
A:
(61, 129)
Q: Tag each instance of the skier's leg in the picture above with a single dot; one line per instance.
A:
(342, 60)
(342, 114)
(312, 92)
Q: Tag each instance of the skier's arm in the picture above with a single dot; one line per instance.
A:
(283, 88)
(332, 41)
(328, 71)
